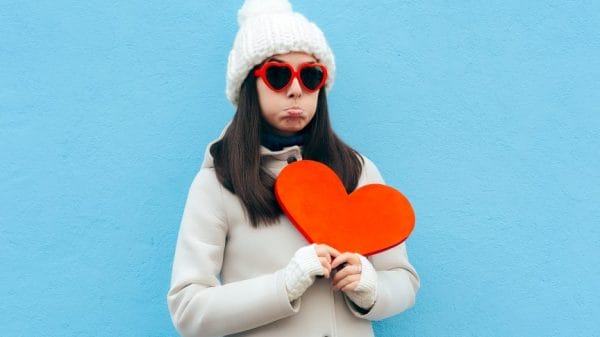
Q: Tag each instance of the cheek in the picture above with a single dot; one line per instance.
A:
(265, 98)
(260, 91)
(312, 104)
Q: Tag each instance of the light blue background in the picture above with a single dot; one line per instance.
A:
(485, 114)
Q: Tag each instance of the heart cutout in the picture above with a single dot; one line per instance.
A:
(371, 219)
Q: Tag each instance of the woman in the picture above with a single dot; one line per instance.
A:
(240, 267)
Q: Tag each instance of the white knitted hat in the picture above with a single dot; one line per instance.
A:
(267, 28)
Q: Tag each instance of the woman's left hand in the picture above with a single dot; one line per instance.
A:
(348, 277)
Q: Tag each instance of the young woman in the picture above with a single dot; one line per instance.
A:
(240, 267)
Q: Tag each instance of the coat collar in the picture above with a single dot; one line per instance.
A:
(268, 157)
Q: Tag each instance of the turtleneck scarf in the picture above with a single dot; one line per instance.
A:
(275, 142)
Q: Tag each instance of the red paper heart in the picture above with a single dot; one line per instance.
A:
(371, 219)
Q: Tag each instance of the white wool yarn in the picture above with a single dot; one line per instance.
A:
(267, 28)
(260, 7)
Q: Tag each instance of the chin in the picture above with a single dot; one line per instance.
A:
(290, 130)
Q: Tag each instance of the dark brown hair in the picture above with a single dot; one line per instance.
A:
(237, 155)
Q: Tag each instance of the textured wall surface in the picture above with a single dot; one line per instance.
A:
(485, 114)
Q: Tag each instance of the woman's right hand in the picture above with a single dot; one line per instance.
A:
(326, 254)
(307, 263)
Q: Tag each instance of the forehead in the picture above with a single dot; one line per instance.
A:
(293, 58)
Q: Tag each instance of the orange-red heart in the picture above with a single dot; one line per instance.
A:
(369, 220)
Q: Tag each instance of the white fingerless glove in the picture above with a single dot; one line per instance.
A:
(300, 272)
(365, 293)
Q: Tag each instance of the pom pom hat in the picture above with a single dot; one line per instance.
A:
(267, 28)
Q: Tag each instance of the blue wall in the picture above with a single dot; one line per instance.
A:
(486, 115)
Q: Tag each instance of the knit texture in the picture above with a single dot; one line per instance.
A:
(275, 142)
(365, 293)
(301, 271)
(271, 27)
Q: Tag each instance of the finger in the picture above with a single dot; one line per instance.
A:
(346, 281)
(333, 252)
(325, 260)
(326, 267)
(323, 249)
(351, 287)
(350, 258)
(341, 259)
(347, 271)
(341, 273)
(338, 276)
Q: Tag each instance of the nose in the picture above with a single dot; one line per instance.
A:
(294, 90)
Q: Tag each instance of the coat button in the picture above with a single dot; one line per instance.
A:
(291, 159)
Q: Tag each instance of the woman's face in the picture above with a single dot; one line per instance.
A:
(290, 110)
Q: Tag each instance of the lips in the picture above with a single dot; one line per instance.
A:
(294, 111)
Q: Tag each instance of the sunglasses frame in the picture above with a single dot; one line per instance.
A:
(262, 73)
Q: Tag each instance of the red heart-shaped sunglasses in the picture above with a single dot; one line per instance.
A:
(278, 76)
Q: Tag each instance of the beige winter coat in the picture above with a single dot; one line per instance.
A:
(227, 275)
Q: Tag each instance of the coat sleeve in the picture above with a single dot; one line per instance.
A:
(198, 303)
(397, 280)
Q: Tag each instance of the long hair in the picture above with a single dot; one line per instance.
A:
(237, 155)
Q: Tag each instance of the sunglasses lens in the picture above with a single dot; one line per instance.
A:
(312, 76)
(278, 76)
